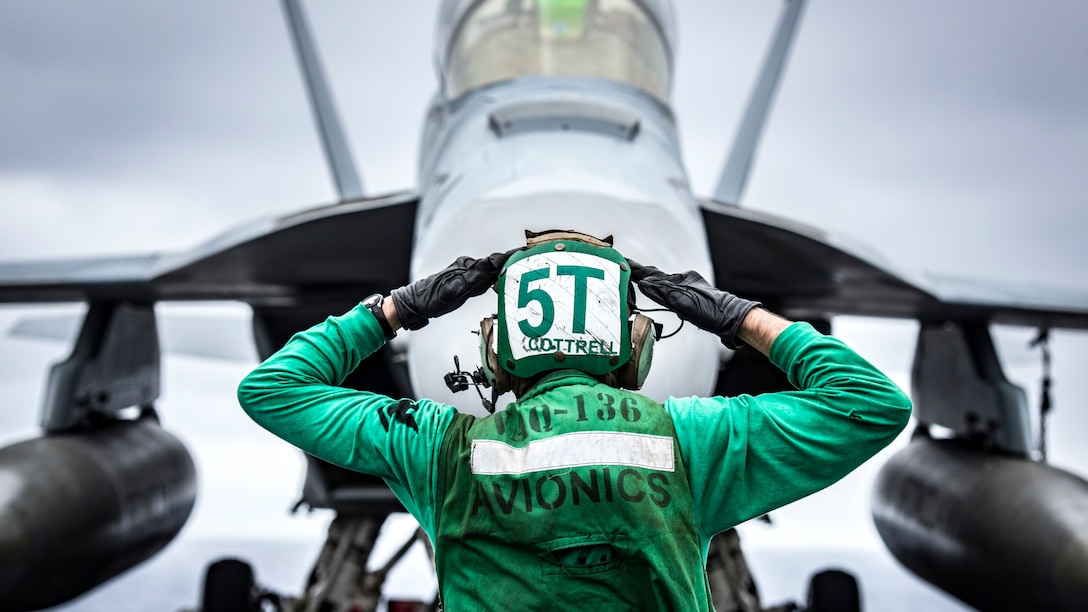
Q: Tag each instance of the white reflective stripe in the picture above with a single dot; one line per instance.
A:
(574, 450)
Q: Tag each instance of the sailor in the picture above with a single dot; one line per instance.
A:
(582, 494)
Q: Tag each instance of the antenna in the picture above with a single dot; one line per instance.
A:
(348, 184)
(735, 174)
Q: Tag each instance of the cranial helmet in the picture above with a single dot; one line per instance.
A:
(564, 304)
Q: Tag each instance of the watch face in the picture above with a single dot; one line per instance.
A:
(373, 300)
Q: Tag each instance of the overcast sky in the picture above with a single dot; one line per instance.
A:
(948, 136)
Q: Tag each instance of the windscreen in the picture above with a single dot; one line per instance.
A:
(496, 40)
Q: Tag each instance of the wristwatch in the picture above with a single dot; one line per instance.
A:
(374, 303)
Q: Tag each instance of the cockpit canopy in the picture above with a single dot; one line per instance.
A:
(480, 42)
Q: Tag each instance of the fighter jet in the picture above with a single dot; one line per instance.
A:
(547, 114)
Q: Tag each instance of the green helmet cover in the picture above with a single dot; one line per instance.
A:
(563, 304)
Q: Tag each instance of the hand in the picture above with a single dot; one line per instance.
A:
(693, 299)
(446, 291)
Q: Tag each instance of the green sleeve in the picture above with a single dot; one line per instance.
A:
(747, 455)
(295, 395)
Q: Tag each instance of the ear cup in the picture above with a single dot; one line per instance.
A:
(499, 379)
(632, 375)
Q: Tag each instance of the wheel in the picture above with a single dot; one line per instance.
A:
(229, 587)
(833, 591)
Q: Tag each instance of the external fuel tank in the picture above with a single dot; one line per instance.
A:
(79, 509)
(998, 532)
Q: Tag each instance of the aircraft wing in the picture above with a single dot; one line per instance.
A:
(806, 273)
(319, 254)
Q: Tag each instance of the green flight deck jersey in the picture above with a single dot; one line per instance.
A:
(580, 495)
(571, 496)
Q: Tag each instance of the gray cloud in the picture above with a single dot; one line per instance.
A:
(949, 135)
(99, 83)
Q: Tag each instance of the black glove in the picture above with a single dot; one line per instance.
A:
(446, 291)
(695, 300)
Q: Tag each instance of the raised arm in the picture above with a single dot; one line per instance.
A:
(296, 392)
(747, 455)
(760, 328)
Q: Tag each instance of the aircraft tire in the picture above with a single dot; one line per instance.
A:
(229, 586)
(833, 591)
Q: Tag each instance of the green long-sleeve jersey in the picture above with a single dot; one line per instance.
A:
(738, 457)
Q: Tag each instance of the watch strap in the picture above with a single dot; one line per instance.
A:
(375, 306)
